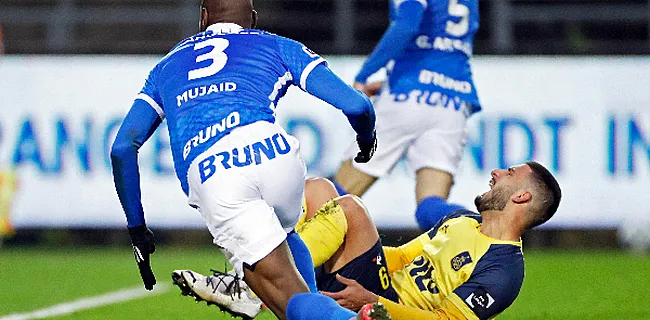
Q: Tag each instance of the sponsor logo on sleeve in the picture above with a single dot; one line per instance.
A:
(480, 301)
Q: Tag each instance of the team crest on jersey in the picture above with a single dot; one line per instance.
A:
(460, 260)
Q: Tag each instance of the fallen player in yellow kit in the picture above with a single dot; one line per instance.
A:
(468, 266)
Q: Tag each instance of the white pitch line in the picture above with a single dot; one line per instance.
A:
(88, 303)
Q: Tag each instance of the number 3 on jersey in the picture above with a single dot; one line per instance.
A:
(216, 55)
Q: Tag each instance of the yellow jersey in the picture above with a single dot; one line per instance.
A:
(455, 271)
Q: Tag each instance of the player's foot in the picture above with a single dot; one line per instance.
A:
(373, 311)
(226, 290)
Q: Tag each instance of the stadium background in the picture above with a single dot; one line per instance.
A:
(562, 82)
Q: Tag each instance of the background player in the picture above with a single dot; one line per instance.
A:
(243, 173)
(468, 266)
(424, 104)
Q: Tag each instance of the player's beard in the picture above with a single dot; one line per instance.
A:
(495, 199)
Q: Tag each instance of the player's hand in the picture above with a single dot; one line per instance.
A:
(143, 247)
(354, 296)
(370, 89)
(366, 149)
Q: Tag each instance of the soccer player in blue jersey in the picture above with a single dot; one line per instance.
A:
(218, 91)
(423, 106)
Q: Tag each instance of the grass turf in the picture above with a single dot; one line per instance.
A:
(558, 284)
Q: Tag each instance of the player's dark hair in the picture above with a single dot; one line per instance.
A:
(550, 190)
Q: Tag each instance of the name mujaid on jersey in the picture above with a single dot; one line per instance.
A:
(438, 60)
(221, 79)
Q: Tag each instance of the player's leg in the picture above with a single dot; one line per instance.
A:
(323, 225)
(361, 233)
(351, 180)
(318, 191)
(394, 134)
(275, 279)
(234, 201)
(281, 183)
(432, 182)
(351, 249)
(435, 156)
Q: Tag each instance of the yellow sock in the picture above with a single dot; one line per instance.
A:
(324, 232)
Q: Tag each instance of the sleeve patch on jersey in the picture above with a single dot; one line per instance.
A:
(480, 302)
(460, 260)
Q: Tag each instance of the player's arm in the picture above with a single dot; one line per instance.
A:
(398, 257)
(327, 86)
(395, 39)
(310, 72)
(139, 124)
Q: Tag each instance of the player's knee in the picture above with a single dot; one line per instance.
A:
(324, 232)
(355, 211)
(317, 192)
(320, 186)
(351, 203)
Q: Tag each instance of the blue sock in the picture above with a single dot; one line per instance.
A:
(314, 306)
(338, 187)
(302, 258)
(431, 210)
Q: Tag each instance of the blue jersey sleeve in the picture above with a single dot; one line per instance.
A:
(327, 86)
(139, 124)
(299, 60)
(495, 283)
(396, 38)
(151, 95)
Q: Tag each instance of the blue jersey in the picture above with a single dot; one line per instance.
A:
(218, 80)
(221, 79)
(434, 52)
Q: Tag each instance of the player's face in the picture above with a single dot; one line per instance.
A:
(502, 185)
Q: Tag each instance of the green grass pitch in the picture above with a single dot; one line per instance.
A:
(558, 284)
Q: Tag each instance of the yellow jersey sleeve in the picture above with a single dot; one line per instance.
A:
(447, 310)
(398, 257)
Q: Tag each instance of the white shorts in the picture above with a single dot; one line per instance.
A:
(427, 135)
(248, 187)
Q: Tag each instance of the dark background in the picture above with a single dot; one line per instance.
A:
(565, 27)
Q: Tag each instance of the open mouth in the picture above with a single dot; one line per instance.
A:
(491, 184)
